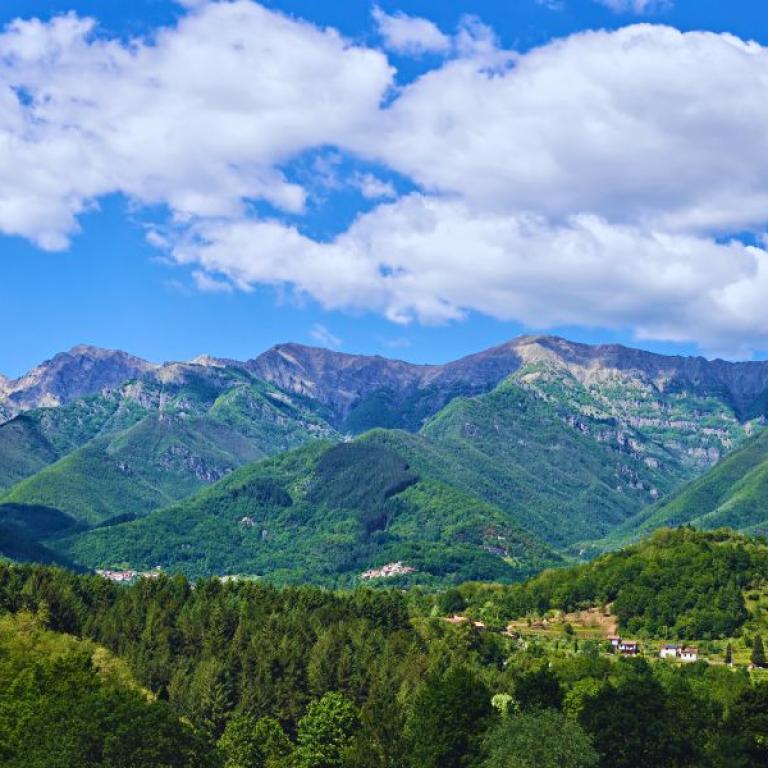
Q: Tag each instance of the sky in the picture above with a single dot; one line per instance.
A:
(417, 179)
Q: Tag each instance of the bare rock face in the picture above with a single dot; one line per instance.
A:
(341, 381)
(80, 372)
(381, 389)
(336, 379)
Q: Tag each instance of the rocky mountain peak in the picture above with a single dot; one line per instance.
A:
(208, 361)
(83, 370)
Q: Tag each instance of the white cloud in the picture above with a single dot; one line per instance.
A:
(372, 187)
(322, 335)
(642, 125)
(198, 119)
(432, 260)
(209, 284)
(552, 5)
(409, 34)
(593, 181)
(636, 6)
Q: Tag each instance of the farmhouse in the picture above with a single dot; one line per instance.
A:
(686, 654)
(689, 654)
(479, 626)
(629, 647)
(669, 651)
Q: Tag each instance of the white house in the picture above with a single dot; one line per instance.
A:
(689, 654)
(669, 652)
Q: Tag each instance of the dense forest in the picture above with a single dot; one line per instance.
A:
(679, 583)
(243, 674)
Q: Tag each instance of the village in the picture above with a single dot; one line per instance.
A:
(128, 576)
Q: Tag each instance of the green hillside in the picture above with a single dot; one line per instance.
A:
(153, 447)
(490, 488)
(514, 449)
(65, 701)
(324, 513)
(678, 583)
(734, 493)
(35, 439)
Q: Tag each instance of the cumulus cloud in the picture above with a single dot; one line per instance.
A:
(645, 124)
(596, 180)
(410, 35)
(432, 260)
(198, 118)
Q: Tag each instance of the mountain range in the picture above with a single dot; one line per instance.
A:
(489, 466)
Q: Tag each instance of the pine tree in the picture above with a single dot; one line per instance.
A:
(758, 652)
(728, 655)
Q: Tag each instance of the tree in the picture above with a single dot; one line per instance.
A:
(628, 719)
(326, 732)
(758, 652)
(452, 601)
(728, 655)
(744, 741)
(538, 688)
(539, 739)
(251, 743)
(448, 716)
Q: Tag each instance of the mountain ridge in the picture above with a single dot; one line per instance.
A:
(315, 371)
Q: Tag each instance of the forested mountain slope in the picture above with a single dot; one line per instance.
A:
(734, 493)
(151, 442)
(475, 494)
(678, 583)
(324, 513)
(563, 441)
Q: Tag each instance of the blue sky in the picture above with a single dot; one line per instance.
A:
(629, 240)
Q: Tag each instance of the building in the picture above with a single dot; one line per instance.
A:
(614, 640)
(669, 652)
(689, 654)
(686, 654)
(120, 577)
(388, 571)
(629, 647)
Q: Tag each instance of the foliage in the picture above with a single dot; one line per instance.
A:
(758, 652)
(450, 710)
(539, 739)
(680, 583)
(326, 732)
(58, 707)
(251, 743)
(361, 679)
